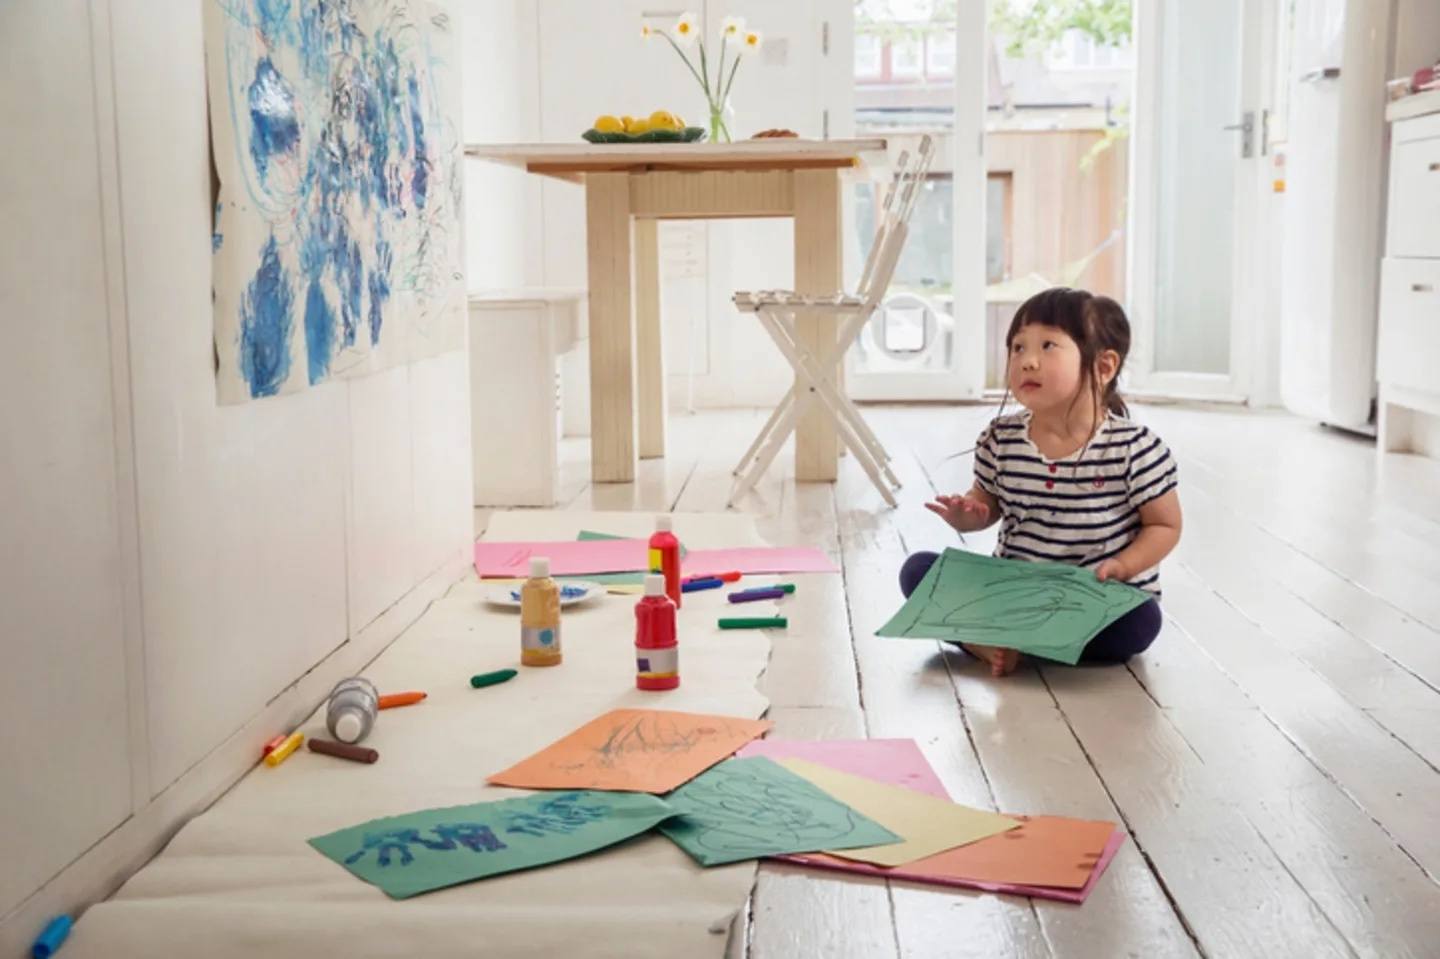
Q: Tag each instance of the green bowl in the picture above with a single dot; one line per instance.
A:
(687, 135)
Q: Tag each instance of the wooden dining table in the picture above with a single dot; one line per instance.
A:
(629, 188)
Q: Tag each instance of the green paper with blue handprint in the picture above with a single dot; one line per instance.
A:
(433, 848)
(1045, 609)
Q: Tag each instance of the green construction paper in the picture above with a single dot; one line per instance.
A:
(433, 848)
(1045, 609)
(748, 808)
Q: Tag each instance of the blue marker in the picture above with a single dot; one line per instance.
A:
(51, 938)
(695, 585)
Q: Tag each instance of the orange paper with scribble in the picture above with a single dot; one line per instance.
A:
(634, 750)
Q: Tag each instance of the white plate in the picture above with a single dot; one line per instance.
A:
(571, 593)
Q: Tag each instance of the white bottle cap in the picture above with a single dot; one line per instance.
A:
(349, 727)
(663, 523)
(539, 567)
(654, 585)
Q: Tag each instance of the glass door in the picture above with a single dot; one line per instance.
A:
(1030, 109)
(919, 70)
(1196, 152)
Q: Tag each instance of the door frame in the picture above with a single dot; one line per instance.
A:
(1254, 219)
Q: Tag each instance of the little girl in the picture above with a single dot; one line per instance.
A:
(1070, 478)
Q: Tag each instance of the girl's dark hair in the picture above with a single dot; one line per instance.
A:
(1095, 323)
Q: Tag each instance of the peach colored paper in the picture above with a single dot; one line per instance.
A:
(636, 750)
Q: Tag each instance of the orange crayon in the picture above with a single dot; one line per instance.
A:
(391, 700)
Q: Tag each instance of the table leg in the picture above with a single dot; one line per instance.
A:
(818, 268)
(649, 352)
(612, 353)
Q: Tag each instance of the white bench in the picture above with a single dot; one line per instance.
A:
(517, 339)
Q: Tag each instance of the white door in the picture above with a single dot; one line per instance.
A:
(1197, 159)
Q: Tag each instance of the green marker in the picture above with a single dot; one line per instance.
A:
(787, 587)
(490, 679)
(762, 622)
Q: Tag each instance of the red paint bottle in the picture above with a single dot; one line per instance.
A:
(665, 557)
(657, 653)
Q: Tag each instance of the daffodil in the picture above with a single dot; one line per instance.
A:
(687, 29)
(686, 34)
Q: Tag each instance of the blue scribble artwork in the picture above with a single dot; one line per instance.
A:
(432, 848)
(334, 133)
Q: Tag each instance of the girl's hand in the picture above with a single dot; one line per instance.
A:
(1112, 569)
(964, 513)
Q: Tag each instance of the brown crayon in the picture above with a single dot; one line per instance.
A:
(359, 754)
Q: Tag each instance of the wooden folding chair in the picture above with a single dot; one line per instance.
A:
(777, 309)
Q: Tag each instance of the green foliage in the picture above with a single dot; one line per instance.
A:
(1029, 26)
(1033, 26)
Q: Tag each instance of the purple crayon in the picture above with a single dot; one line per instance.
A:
(750, 595)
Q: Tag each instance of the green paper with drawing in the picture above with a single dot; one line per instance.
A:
(433, 848)
(1045, 609)
(748, 808)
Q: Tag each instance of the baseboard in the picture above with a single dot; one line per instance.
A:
(104, 867)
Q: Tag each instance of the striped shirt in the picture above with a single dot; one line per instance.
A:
(1082, 509)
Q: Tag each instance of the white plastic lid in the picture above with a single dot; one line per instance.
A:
(539, 566)
(654, 585)
(349, 727)
(663, 523)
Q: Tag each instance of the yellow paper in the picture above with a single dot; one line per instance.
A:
(929, 825)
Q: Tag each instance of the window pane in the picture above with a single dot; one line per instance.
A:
(867, 56)
(940, 54)
(905, 57)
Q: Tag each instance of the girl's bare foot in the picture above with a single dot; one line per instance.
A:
(1002, 661)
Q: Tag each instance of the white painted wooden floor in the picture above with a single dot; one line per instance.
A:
(1273, 756)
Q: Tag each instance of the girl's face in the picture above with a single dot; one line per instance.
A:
(1044, 368)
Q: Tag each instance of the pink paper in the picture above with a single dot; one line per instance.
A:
(757, 559)
(896, 761)
(900, 763)
(567, 557)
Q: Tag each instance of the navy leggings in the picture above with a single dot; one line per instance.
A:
(1130, 634)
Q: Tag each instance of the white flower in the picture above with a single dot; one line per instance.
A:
(687, 29)
(752, 41)
(733, 28)
(646, 31)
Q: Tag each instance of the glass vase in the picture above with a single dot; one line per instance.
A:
(719, 131)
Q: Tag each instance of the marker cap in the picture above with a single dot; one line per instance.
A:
(349, 727)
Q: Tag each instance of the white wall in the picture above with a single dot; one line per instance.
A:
(182, 580)
(501, 105)
(62, 615)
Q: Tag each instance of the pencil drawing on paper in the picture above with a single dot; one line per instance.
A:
(1049, 609)
(748, 815)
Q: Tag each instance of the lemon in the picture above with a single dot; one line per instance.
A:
(609, 124)
(663, 120)
(636, 125)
